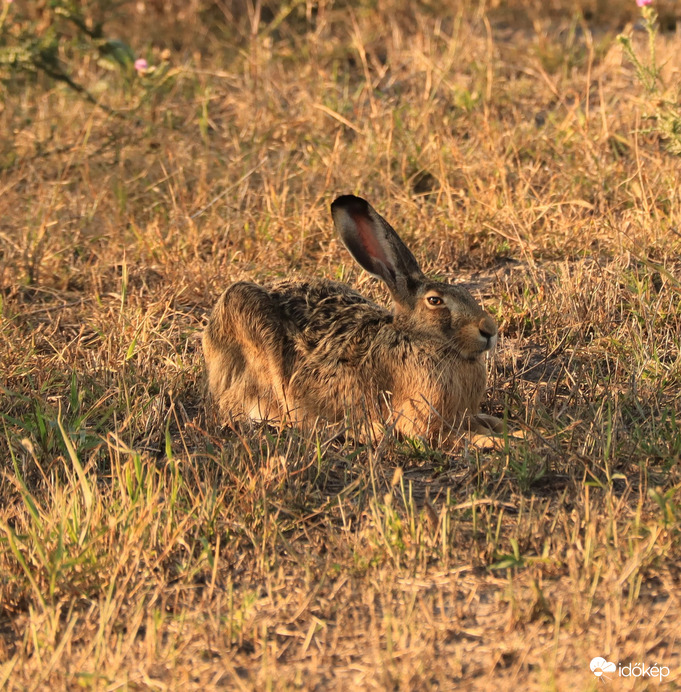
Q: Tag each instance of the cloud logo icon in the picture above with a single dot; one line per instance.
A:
(599, 666)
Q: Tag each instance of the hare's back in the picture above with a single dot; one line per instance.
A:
(327, 314)
(313, 301)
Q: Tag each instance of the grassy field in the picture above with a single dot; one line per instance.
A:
(144, 547)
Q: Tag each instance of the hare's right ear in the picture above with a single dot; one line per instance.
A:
(371, 240)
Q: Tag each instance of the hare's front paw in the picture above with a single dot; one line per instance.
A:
(482, 423)
(488, 432)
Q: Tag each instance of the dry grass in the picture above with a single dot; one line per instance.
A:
(142, 546)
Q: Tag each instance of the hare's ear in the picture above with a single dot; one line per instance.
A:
(371, 240)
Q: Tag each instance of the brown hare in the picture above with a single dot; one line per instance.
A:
(302, 350)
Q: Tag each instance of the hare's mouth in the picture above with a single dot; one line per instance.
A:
(490, 342)
(473, 342)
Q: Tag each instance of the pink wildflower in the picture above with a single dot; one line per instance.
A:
(644, 3)
(141, 64)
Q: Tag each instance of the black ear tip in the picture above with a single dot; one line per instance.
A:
(351, 204)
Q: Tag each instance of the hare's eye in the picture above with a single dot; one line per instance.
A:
(435, 300)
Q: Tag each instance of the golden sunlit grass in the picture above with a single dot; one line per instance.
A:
(142, 546)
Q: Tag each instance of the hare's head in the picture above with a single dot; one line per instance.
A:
(431, 308)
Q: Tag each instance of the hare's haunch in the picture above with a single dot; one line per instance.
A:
(303, 350)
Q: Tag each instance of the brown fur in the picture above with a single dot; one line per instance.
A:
(315, 349)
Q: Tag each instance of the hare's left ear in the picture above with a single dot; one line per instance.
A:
(375, 245)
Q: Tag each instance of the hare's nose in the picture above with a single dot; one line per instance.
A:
(487, 327)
